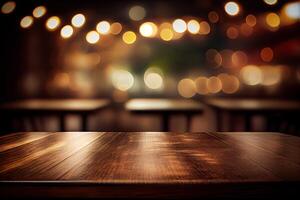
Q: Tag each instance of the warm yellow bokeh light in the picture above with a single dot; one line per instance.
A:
(266, 54)
(230, 83)
(201, 85)
(214, 84)
(186, 88)
(193, 26)
(66, 31)
(232, 8)
(122, 80)
(103, 27)
(92, 37)
(52, 23)
(39, 11)
(251, 20)
(78, 20)
(251, 75)
(129, 37)
(271, 75)
(137, 13)
(270, 2)
(166, 34)
(179, 26)
(26, 22)
(115, 28)
(153, 80)
(8, 7)
(148, 29)
(273, 20)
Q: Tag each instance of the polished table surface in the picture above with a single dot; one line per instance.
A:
(60, 107)
(254, 104)
(55, 105)
(165, 108)
(163, 105)
(149, 164)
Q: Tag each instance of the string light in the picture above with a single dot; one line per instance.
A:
(148, 29)
(53, 23)
(273, 20)
(92, 37)
(66, 31)
(8, 7)
(78, 20)
(39, 11)
(270, 2)
(129, 37)
(179, 26)
(137, 13)
(166, 34)
(26, 22)
(103, 27)
(193, 26)
(186, 88)
(232, 8)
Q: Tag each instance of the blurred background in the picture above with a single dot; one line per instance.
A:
(120, 50)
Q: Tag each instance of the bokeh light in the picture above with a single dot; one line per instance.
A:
(251, 75)
(78, 20)
(292, 10)
(166, 34)
(232, 32)
(246, 30)
(270, 2)
(266, 54)
(66, 31)
(213, 17)
(153, 78)
(129, 37)
(239, 58)
(214, 84)
(193, 26)
(230, 83)
(53, 23)
(148, 29)
(103, 27)
(26, 22)
(213, 58)
(204, 28)
(271, 75)
(232, 8)
(251, 20)
(122, 79)
(8, 7)
(186, 88)
(201, 85)
(273, 20)
(137, 13)
(92, 37)
(39, 11)
(115, 28)
(179, 26)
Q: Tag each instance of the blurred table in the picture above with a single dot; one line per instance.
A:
(150, 165)
(249, 107)
(59, 107)
(165, 108)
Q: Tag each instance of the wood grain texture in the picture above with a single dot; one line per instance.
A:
(149, 164)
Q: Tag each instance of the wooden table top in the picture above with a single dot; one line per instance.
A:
(148, 164)
(163, 105)
(253, 104)
(55, 105)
